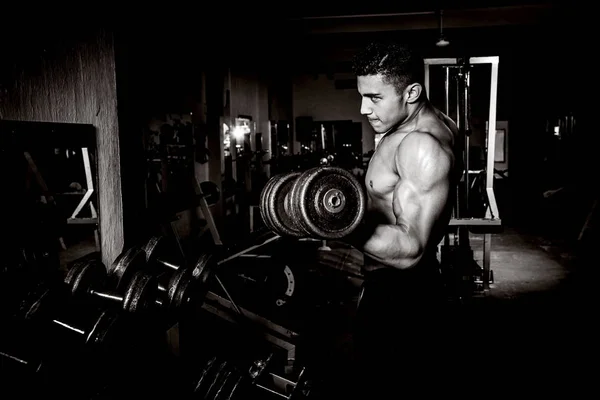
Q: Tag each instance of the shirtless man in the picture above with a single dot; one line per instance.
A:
(410, 180)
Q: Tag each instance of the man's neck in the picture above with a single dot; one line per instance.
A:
(414, 111)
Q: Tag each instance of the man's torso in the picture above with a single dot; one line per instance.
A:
(382, 175)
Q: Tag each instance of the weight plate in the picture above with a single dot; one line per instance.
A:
(39, 303)
(104, 332)
(204, 268)
(126, 265)
(221, 374)
(203, 273)
(141, 294)
(206, 376)
(84, 275)
(179, 291)
(264, 205)
(278, 210)
(329, 202)
(236, 388)
(154, 248)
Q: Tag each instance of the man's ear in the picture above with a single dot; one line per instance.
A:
(413, 92)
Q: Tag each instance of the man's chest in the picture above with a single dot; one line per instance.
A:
(381, 177)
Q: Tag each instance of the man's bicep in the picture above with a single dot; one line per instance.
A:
(417, 209)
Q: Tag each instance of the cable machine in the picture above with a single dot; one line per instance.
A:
(456, 254)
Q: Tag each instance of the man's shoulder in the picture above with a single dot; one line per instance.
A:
(422, 149)
(420, 141)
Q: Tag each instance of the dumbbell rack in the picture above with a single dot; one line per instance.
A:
(276, 381)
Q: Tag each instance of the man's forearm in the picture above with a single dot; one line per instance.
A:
(392, 245)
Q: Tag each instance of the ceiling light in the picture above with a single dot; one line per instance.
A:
(442, 41)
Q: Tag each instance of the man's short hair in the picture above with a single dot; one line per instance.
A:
(398, 63)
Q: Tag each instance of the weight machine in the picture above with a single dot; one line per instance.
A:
(462, 222)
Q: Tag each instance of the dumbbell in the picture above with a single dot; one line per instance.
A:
(88, 345)
(223, 378)
(127, 264)
(22, 372)
(89, 279)
(39, 314)
(18, 360)
(323, 202)
(185, 284)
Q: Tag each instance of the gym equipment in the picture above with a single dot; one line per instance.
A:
(241, 379)
(90, 346)
(275, 206)
(328, 202)
(19, 359)
(323, 202)
(22, 367)
(70, 334)
(185, 284)
(158, 250)
(458, 100)
(88, 279)
(220, 379)
(125, 266)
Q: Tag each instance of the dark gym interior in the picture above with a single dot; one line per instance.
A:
(138, 144)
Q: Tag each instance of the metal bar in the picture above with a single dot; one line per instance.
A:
(474, 222)
(447, 89)
(427, 80)
(233, 305)
(13, 358)
(88, 169)
(252, 316)
(282, 396)
(439, 61)
(485, 60)
(82, 203)
(491, 150)
(466, 128)
(487, 253)
(249, 249)
(68, 326)
(82, 221)
(109, 296)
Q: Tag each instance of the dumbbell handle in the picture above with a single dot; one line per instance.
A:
(106, 295)
(14, 358)
(168, 264)
(70, 327)
(161, 289)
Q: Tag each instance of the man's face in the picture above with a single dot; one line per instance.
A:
(383, 107)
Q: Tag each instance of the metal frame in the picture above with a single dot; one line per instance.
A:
(492, 215)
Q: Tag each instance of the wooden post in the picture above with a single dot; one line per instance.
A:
(72, 81)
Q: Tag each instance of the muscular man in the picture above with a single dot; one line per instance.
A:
(409, 182)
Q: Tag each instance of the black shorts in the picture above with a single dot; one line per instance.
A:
(399, 312)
